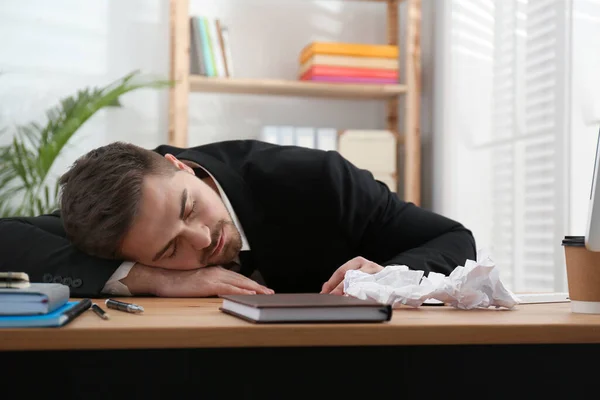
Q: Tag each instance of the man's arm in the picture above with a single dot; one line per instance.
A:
(387, 230)
(200, 282)
(35, 245)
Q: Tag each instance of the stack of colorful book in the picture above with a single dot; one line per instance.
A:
(349, 63)
(210, 54)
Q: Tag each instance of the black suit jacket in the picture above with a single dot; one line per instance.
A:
(305, 213)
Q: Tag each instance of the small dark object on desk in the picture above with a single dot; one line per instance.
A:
(122, 306)
(99, 311)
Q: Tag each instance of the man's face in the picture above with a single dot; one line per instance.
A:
(182, 223)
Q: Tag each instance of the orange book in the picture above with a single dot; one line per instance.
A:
(326, 70)
(350, 61)
(349, 49)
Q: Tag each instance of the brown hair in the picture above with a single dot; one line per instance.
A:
(100, 195)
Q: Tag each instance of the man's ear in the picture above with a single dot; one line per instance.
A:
(179, 164)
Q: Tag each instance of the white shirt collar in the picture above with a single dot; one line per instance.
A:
(229, 207)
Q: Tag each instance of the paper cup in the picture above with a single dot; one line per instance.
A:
(583, 275)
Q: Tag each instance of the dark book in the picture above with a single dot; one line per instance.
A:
(37, 298)
(304, 307)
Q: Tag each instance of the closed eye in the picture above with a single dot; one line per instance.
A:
(190, 214)
(192, 211)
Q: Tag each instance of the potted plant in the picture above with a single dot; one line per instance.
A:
(25, 189)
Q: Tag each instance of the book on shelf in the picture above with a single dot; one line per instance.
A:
(349, 49)
(197, 59)
(287, 135)
(349, 63)
(329, 70)
(210, 53)
(303, 136)
(37, 298)
(269, 134)
(304, 307)
(326, 139)
(219, 28)
(348, 79)
(373, 150)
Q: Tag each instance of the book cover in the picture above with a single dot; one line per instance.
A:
(215, 47)
(326, 70)
(359, 145)
(349, 79)
(351, 61)
(227, 47)
(207, 52)
(223, 51)
(194, 66)
(37, 298)
(197, 62)
(349, 49)
(304, 307)
(59, 317)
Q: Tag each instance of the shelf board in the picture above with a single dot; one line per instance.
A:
(280, 87)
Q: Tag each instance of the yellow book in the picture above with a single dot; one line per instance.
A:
(349, 62)
(349, 49)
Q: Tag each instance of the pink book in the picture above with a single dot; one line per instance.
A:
(349, 79)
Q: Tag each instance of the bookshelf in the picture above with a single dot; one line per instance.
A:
(408, 138)
(293, 88)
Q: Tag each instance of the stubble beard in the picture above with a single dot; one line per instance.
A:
(231, 248)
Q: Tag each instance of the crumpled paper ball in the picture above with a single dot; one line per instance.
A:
(477, 284)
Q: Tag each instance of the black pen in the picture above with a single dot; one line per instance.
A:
(75, 311)
(99, 311)
(122, 306)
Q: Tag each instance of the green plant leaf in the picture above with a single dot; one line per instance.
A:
(26, 162)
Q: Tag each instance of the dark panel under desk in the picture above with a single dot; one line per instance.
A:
(478, 371)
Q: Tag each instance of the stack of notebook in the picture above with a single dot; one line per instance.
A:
(210, 54)
(349, 63)
(36, 304)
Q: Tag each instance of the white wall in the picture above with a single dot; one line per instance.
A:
(52, 49)
(56, 47)
(585, 109)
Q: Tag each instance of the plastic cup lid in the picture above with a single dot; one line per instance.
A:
(574, 241)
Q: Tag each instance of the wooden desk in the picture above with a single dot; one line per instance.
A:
(189, 346)
(196, 323)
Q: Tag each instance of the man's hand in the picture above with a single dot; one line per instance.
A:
(202, 282)
(335, 284)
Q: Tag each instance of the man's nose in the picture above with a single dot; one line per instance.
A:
(198, 236)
